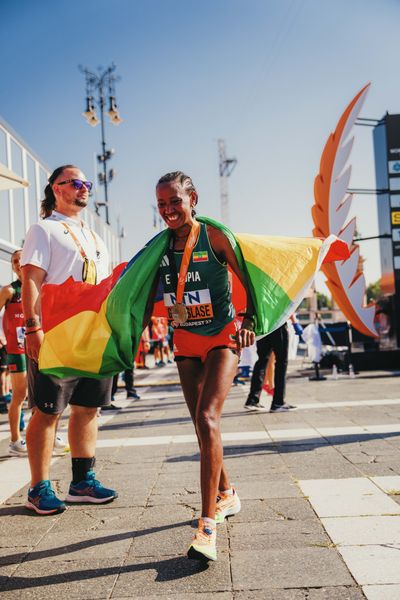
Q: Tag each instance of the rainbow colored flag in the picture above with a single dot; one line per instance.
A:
(94, 330)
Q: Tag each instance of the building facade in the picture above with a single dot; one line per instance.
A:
(20, 207)
(387, 170)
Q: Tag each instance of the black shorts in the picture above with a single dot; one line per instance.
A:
(52, 395)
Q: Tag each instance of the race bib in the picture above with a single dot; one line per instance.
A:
(198, 304)
(20, 331)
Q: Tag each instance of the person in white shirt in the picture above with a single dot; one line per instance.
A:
(58, 247)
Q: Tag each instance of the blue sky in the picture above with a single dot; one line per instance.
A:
(272, 77)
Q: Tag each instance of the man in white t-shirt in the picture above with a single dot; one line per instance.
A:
(58, 247)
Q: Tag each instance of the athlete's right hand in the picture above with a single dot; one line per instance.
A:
(33, 342)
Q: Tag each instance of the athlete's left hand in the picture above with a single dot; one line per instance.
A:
(245, 336)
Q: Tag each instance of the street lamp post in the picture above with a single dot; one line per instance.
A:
(102, 83)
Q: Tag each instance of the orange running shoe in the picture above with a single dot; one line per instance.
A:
(227, 505)
(203, 546)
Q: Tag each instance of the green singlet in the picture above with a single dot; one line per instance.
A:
(207, 295)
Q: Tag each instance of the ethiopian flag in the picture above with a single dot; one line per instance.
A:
(200, 256)
(94, 330)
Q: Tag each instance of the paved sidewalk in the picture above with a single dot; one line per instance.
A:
(320, 491)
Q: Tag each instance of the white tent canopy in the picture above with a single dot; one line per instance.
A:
(10, 180)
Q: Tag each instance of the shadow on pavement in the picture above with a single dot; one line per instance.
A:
(286, 446)
(145, 423)
(67, 549)
(169, 569)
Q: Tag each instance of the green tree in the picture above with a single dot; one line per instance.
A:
(373, 291)
(323, 301)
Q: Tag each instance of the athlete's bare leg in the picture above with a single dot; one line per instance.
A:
(205, 388)
(191, 374)
(19, 392)
(40, 441)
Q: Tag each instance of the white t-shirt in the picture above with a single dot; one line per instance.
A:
(50, 246)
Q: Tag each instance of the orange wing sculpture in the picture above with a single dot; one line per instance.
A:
(345, 279)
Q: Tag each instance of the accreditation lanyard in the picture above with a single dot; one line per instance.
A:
(187, 253)
(89, 271)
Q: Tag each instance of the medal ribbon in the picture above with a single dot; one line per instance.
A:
(187, 253)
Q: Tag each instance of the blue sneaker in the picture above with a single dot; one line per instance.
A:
(90, 490)
(42, 499)
(22, 421)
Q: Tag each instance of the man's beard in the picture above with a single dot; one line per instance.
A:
(81, 203)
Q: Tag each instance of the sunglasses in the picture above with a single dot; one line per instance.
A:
(77, 183)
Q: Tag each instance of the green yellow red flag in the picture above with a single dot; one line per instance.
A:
(94, 330)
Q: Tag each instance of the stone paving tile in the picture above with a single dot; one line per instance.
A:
(176, 574)
(151, 523)
(119, 472)
(74, 579)
(15, 520)
(305, 450)
(162, 541)
(292, 567)
(131, 497)
(10, 559)
(382, 592)
(255, 511)
(336, 593)
(269, 489)
(242, 480)
(323, 593)
(291, 594)
(347, 498)
(375, 470)
(169, 515)
(359, 458)
(261, 463)
(386, 459)
(97, 518)
(277, 534)
(373, 564)
(352, 531)
(87, 545)
(183, 596)
(291, 508)
(179, 480)
(133, 455)
(166, 531)
(182, 496)
(316, 471)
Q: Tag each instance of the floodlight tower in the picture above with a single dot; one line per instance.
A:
(99, 83)
(226, 166)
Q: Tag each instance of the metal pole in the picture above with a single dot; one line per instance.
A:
(105, 79)
(226, 166)
(103, 146)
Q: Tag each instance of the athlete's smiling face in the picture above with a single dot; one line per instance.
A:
(175, 204)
